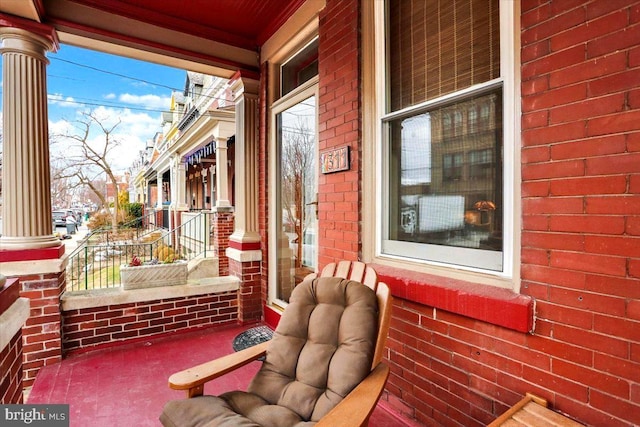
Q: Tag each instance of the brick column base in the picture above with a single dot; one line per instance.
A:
(41, 339)
(247, 267)
(222, 224)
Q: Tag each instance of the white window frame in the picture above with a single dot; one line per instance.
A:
(376, 181)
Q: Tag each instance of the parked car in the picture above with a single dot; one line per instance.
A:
(59, 218)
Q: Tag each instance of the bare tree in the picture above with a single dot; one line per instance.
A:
(61, 184)
(86, 160)
(296, 167)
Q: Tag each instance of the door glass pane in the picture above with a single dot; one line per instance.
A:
(296, 196)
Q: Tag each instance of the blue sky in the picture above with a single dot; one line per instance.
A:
(114, 88)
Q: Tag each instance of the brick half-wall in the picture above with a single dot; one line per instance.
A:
(11, 371)
(96, 327)
(41, 334)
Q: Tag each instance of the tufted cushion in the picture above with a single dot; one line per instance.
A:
(322, 348)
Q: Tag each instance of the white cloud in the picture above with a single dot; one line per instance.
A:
(62, 101)
(132, 133)
(141, 84)
(150, 101)
(60, 127)
(110, 96)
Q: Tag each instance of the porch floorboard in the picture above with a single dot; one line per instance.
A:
(127, 384)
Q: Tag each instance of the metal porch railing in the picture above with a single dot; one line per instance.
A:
(96, 262)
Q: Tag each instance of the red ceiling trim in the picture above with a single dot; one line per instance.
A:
(278, 22)
(134, 42)
(168, 22)
(40, 9)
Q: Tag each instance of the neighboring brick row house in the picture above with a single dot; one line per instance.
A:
(482, 155)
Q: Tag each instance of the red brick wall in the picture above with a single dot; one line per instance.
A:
(223, 224)
(249, 294)
(41, 334)
(581, 229)
(100, 326)
(339, 125)
(11, 371)
(580, 242)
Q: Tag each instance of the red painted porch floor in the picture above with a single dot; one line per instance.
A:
(127, 384)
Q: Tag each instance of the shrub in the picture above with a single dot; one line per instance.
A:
(134, 210)
(131, 214)
(99, 220)
(164, 254)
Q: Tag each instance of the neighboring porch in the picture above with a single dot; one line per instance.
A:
(129, 382)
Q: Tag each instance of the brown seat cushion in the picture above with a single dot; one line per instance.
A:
(322, 348)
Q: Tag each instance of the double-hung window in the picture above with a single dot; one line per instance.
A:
(444, 198)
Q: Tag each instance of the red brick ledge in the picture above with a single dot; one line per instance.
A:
(244, 246)
(489, 304)
(12, 255)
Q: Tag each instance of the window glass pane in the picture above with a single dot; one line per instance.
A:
(300, 69)
(296, 196)
(445, 188)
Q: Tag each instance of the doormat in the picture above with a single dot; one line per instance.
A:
(252, 337)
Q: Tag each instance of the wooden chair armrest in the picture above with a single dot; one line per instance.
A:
(194, 378)
(357, 406)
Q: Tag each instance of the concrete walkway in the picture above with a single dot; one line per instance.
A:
(72, 243)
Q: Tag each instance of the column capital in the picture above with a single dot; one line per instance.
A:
(222, 142)
(18, 34)
(242, 85)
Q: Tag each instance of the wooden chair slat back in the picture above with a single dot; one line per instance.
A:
(385, 302)
(352, 270)
(343, 270)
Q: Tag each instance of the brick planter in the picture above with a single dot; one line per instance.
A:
(150, 276)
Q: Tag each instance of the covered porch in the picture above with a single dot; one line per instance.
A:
(544, 300)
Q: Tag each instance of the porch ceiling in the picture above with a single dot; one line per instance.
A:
(217, 37)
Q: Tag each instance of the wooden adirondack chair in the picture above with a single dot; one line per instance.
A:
(353, 410)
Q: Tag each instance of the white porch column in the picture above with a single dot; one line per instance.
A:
(178, 184)
(245, 234)
(222, 174)
(26, 211)
(160, 191)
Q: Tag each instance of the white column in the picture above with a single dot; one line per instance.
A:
(213, 188)
(178, 184)
(160, 191)
(26, 211)
(245, 93)
(222, 174)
